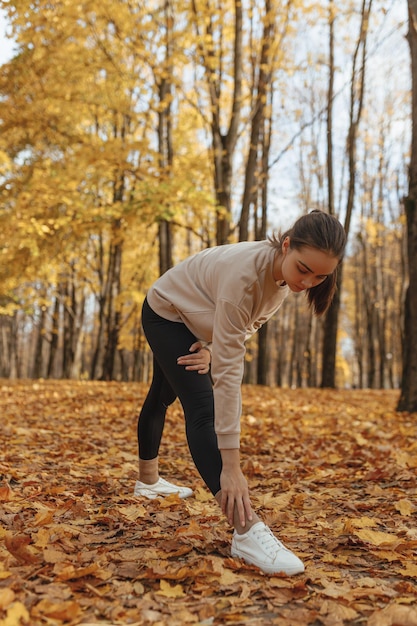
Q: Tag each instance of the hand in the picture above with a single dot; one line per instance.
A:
(198, 360)
(234, 489)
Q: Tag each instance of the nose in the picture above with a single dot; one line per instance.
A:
(311, 281)
(307, 283)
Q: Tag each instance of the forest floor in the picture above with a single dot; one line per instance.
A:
(334, 473)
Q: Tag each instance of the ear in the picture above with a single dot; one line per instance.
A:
(285, 245)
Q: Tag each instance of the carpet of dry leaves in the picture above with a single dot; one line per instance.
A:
(334, 473)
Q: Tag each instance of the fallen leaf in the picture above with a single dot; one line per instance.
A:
(69, 572)
(133, 512)
(18, 546)
(394, 615)
(404, 507)
(6, 597)
(65, 611)
(165, 589)
(5, 493)
(337, 612)
(377, 538)
(409, 570)
(16, 615)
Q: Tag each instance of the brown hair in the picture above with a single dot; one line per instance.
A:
(324, 232)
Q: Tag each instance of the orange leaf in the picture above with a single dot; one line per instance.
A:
(65, 611)
(71, 573)
(17, 545)
(394, 615)
(5, 493)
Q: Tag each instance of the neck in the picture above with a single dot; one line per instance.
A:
(276, 268)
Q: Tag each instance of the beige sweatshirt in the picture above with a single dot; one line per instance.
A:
(223, 295)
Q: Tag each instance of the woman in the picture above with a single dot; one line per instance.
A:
(196, 318)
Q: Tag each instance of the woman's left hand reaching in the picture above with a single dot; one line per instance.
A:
(198, 360)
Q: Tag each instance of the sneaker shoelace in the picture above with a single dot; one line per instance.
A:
(268, 540)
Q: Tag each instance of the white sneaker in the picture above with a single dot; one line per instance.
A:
(160, 488)
(261, 548)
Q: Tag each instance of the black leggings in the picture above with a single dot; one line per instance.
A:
(169, 340)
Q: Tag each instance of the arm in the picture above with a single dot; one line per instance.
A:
(234, 488)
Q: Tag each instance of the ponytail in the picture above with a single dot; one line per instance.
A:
(320, 297)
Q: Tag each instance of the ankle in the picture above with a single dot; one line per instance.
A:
(148, 471)
(241, 530)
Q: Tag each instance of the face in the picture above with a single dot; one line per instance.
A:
(307, 267)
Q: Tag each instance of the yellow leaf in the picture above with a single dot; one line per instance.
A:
(166, 503)
(203, 495)
(333, 458)
(386, 554)
(6, 597)
(133, 512)
(16, 615)
(360, 440)
(404, 459)
(363, 522)
(377, 538)
(3, 532)
(43, 538)
(228, 578)
(404, 507)
(280, 502)
(176, 591)
(409, 570)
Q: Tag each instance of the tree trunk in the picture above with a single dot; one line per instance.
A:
(165, 246)
(69, 312)
(330, 97)
(330, 328)
(165, 144)
(223, 145)
(370, 327)
(258, 123)
(112, 309)
(260, 234)
(77, 364)
(408, 398)
(307, 353)
(53, 342)
(108, 326)
(357, 94)
(294, 339)
(38, 360)
(8, 346)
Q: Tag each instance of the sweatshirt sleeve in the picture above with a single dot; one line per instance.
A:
(227, 369)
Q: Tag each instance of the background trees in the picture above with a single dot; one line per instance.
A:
(134, 134)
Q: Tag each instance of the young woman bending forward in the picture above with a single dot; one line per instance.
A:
(196, 318)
